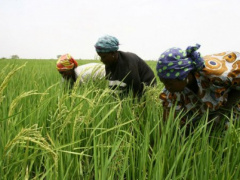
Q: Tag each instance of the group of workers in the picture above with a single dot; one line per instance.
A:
(124, 70)
(192, 84)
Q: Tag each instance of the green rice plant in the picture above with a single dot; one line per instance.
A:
(46, 92)
(90, 132)
(27, 141)
(17, 99)
(7, 78)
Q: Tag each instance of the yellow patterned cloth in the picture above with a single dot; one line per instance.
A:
(220, 75)
(66, 62)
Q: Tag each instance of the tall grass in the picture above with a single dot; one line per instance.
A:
(90, 132)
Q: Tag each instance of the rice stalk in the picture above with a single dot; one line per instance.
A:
(28, 134)
(149, 148)
(83, 97)
(67, 113)
(4, 69)
(45, 92)
(34, 136)
(61, 113)
(26, 174)
(67, 117)
(18, 98)
(7, 79)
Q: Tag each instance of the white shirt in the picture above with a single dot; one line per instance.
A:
(89, 71)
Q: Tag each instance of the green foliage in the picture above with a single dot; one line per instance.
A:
(15, 57)
(91, 133)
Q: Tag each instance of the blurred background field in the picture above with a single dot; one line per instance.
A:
(89, 132)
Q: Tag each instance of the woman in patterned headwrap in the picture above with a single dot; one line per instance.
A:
(124, 70)
(196, 83)
(68, 67)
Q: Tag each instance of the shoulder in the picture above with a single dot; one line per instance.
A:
(222, 64)
(128, 55)
(130, 58)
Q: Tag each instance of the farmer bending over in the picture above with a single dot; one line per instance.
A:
(70, 71)
(124, 70)
(196, 84)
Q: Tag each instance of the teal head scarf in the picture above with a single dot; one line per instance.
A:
(107, 44)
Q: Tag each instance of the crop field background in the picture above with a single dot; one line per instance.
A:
(48, 132)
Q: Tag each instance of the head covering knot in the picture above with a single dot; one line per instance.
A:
(176, 63)
(66, 62)
(107, 44)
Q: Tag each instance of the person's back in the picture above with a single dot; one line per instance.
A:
(90, 71)
(124, 70)
(68, 67)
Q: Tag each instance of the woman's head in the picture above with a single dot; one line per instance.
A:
(106, 48)
(66, 65)
(175, 64)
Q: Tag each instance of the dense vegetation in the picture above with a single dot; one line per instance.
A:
(47, 132)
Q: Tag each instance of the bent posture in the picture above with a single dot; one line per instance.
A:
(70, 71)
(124, 70)
(196, 84)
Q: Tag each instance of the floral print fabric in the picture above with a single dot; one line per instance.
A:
(220, 75)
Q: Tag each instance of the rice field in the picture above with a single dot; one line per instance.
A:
(48, 132)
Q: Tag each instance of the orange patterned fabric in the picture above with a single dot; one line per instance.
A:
(220, 75)
(66, 62)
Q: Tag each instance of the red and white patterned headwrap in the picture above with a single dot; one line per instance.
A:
(66, 62)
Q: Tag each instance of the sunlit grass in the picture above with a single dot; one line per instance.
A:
(90, 132)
